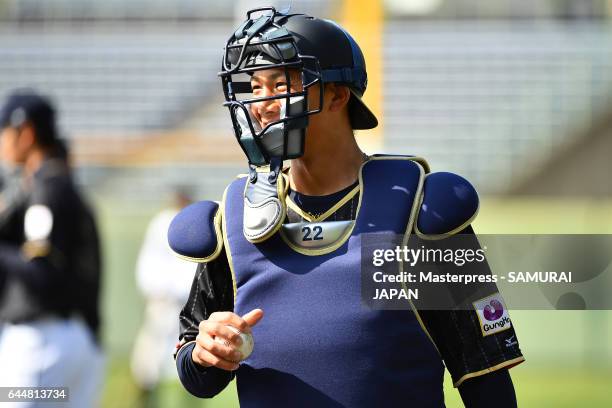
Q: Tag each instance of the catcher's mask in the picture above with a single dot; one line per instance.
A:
(319, 50)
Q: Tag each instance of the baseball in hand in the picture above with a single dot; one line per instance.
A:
(247, 342)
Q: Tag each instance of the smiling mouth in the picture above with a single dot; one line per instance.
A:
(265, 123)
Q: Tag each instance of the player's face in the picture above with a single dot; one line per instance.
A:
(11, 150)
(272, 82)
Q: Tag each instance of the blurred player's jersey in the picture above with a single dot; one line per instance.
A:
(164, 280)
(159, 274)
(49, 286)
(52, 263)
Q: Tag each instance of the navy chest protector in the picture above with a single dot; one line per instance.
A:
(317, 345)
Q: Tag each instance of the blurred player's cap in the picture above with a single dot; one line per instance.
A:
(25, 105)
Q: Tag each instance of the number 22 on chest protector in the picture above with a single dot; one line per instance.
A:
(312, 233)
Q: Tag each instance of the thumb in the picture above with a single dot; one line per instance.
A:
(253, 317)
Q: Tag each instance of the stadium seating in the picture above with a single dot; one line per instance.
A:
(113, 79)
(487, 99)
(490, 99)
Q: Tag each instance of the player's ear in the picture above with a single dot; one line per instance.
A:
(340, 95)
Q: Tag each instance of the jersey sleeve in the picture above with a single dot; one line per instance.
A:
(466, 343)
(211, 291)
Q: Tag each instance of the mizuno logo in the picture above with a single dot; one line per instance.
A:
(511, 342)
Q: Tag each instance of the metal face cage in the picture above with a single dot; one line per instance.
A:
(263, 34)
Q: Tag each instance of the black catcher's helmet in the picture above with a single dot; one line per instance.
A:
(320, 49)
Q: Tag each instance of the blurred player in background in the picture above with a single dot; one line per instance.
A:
(164, 281)
(49, 260)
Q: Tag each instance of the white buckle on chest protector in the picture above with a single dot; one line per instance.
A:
(264, 205)
(261, 219)
(315, 235)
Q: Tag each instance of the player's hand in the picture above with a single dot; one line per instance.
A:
(208, 352)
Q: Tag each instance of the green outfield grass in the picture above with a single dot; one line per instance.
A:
(569, 354)
(554, 387)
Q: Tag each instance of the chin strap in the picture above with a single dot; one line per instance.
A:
(252, 174)
(276, 166)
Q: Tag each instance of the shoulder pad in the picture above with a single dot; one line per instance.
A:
(195, 232)
(450, 203)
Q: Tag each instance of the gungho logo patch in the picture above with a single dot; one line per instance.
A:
(492, 314)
